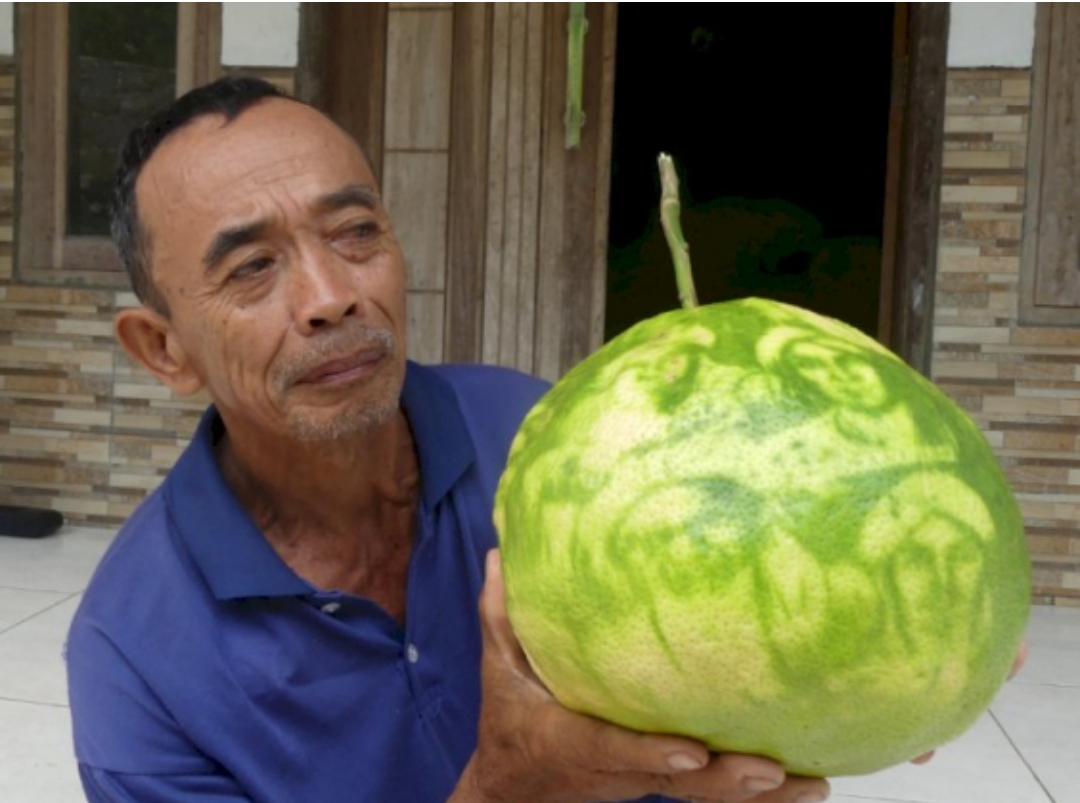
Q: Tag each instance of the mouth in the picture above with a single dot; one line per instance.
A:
(344, 369)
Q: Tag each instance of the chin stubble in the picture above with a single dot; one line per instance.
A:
(305, 424)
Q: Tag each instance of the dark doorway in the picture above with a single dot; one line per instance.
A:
(777, 116)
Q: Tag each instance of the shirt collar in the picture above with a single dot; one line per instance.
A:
(233, 554)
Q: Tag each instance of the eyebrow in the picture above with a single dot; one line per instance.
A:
(230, 239)
(351, 195)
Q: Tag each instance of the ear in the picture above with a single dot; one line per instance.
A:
(149, 339)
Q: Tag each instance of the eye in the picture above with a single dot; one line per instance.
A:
(251, 267)
(361, 232)
(357, 239)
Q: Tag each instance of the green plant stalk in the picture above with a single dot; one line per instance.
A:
(575, 74)
(669, 219)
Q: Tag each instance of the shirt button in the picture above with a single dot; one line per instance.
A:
(412, 654)
(331, 608)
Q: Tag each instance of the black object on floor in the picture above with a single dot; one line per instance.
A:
(28, 522)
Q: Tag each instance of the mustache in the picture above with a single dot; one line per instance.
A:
(332, 346)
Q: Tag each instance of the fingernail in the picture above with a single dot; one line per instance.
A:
(756, 786)
(810, 797)
(684, 762)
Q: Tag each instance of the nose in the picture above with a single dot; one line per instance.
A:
(323, 291)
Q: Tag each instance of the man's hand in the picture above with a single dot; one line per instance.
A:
(533, 749)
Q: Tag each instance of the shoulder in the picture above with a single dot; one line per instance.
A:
(493, 389)
(137, 543)
(135, 586)
(493, 400)
(490, 402)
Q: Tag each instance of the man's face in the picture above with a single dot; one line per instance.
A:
(283, 278)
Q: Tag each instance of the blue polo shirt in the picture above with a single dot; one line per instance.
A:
(202, 668)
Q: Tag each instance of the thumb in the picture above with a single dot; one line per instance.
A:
(498, 635)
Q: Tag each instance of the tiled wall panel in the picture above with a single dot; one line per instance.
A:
(1022, 384)
(82, 429)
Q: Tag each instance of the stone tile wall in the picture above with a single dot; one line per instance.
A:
(1021, 383)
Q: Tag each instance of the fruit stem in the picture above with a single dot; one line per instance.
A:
(669, 219)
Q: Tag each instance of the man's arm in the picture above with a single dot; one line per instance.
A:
(128, 747)
(532, 748)
(101, 786)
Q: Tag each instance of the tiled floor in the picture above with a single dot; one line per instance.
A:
(1025, 750)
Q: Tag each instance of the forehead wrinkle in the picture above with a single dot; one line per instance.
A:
(177, 172)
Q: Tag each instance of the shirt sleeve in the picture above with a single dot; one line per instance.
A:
(103, 786)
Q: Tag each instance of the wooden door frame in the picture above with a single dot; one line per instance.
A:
(913, 181)
(343, 46)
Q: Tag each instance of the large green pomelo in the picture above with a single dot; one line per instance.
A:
(753, 525)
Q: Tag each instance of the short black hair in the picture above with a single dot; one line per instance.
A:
(229, 97)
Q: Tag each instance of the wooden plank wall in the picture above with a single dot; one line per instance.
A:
(416, 160)
(513, 185)
(504, 228)
(1052, 229)
(572, 267)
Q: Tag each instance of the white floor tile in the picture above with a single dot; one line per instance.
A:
(38, 764)
(979, 767)
(31, 656)
(17, 605)
(1053, 638)
(1044, 724)
(60, 562)
(1027, 751)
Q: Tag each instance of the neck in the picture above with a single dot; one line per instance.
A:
(339, 513)
(321, 481)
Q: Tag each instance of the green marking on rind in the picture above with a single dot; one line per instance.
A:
(794, 492)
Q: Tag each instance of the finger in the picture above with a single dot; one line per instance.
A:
(733, 778)
(495, 627)
(1021, 659)
(596, 745)
(797, 789)
(924, 758)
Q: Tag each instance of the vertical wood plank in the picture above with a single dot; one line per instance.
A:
(198, 46)
(572, 259)
(415, 191)
(42, 50)
(920, 177)
(893, 161)
(1050, 250)
(496, 182)
(467, 213)
(601, 189)
(509, 297)
(342, 69)
(1058, 281)
(424, 319)
(530, 179)
(418, 74)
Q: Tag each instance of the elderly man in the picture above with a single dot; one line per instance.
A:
(293, 615)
